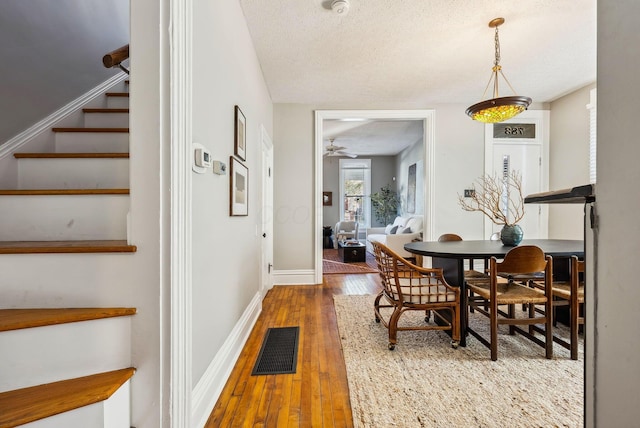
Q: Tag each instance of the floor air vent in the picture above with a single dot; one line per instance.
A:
(279, 352)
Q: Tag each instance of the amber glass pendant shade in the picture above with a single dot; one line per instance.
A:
(498, 109)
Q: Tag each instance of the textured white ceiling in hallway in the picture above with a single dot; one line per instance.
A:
(420, 51)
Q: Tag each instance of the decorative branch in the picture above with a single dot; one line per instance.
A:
(489, 191)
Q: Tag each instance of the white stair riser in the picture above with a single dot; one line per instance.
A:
(92, 142)
(112, 413)
(108, 173)
(62, 217)
(35, 280)
(118, 102)
(39, 355)
(106, 120)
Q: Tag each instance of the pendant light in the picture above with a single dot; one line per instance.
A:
(498, 109)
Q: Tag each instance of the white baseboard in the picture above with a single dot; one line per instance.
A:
(294, 277)
(48, 122)
(209, 387)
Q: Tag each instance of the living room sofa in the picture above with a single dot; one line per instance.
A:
(403, 230)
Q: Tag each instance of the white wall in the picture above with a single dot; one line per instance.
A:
(568, 160)
(618, 203)
(459, 145)
(52, 53)
(147, 282)
(226, 250)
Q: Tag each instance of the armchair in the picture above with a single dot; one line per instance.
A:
(345, 230)
(407, 287)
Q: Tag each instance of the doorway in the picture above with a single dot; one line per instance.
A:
(427, 118)
(521, 144)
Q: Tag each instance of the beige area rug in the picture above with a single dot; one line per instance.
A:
(424, 382)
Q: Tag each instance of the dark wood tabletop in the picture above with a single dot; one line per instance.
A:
(485, 249)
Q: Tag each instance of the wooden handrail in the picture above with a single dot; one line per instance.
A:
(114, 58)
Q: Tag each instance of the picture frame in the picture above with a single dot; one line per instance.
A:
(411, 189)
(238, 188)
(240, 131)
(327, 199)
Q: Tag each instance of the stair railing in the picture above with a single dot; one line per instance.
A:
(115, 58)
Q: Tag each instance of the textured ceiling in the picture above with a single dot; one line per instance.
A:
(372, 137)
(420, 51)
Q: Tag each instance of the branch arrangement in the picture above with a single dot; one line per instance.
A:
(489, 194)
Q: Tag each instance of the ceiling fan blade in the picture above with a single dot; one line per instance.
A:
(341, 153)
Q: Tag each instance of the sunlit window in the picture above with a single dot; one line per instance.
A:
(355, 190)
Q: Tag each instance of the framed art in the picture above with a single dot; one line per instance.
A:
(239, 188)
(411, 189)
(240, 149)
(327, 199)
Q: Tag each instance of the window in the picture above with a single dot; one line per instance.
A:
(355, 190)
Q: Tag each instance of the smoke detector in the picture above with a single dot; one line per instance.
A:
(341, 7)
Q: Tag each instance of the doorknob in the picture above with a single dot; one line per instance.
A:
(264, 235)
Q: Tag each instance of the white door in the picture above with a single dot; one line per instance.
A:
(521, 144)
(266, 258)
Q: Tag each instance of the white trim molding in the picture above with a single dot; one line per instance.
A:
(180, 76)
(428, 120)
(209, 387)
(48, 122)
(296, 277)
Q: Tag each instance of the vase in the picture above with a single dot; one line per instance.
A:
(511, 235)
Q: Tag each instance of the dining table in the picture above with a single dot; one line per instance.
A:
(450, 256)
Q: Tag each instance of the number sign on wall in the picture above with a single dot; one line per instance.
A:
(514, 130)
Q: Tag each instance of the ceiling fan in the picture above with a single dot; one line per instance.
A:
(332, 150)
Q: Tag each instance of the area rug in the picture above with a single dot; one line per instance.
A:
(424, 382)
(331, 263)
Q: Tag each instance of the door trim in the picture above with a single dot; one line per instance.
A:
(541, 118)
(428, 118)
(266, 256)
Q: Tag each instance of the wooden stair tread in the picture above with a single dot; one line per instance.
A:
(117, 94)
(16, 319)
(30, 404)
(42, 247)
(69, 155)
(62, 192)
(105, 110)
(91, 130)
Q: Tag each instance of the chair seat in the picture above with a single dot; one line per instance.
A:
(475, 274)
(421, 292)
(510, 293)
(563, 291)
(476, 277)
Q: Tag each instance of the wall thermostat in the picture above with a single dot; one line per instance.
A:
(219, 168)
(201, 158)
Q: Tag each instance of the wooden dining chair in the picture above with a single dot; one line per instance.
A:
(471, 273)
(497, 293)
(408, 287)
(570, 293)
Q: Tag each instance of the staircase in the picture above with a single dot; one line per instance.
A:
(65, 338)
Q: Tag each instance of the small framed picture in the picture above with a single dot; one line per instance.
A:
(240, 135)
(239, 188)
(327, 199)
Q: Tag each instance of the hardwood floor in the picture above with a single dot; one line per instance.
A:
(317, 395)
